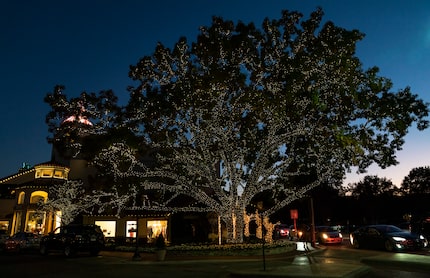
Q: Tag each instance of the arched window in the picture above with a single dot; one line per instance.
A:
(21, 197)
(36, 196)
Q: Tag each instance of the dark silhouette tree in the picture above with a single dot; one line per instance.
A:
(417, 181)
(377, 200)
(372, 186)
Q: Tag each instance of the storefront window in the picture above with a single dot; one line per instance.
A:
(108, 227)
(131, 229)
(155, 228)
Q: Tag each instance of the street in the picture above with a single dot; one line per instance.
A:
(108, 265)
(345, 252)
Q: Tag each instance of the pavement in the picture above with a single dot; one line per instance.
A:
(298, 263)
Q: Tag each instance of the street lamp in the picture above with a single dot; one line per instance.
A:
(136, 255)
(260, 208)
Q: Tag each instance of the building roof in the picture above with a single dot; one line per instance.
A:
(27, 175)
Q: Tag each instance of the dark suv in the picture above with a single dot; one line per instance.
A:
(71, 239)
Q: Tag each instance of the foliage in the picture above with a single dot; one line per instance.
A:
(372, 186)
(119, 175)
(67, 200)
(243, 111)
(72, 120)
(417, 181)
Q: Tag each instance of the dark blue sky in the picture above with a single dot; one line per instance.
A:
(88, 45)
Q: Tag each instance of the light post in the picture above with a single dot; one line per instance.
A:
(313, 239)
(136, 255)
(260, 208)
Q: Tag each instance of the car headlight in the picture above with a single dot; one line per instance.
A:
(324, 236)
(397, 238)
(422, 237)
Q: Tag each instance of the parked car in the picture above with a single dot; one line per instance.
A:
(422, 227)
(22, 241)
(71, 239)
(405, 226)
(281, 231)
(300, 232)
(388, 237)
(328, 235)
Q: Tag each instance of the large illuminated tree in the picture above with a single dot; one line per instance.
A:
(67, 200)
(77, 124)
(243, 113)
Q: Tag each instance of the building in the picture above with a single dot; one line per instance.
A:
(29, 187)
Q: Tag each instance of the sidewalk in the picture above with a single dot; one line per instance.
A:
(291, 264)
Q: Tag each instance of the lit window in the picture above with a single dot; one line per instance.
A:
(37, 196)
(35, 222)
(21, 197)
(108, 227)
(131, 229)
(155, 228)
(58, 174)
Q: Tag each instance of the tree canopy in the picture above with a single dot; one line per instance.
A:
(417, 181)
(243, 110)
(372, 186)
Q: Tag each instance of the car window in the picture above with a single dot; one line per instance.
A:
(326, 229)
(393, 229)
(372, 231)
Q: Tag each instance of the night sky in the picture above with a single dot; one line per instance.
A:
(88, 45)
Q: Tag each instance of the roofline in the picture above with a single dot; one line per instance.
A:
(33, 169)
(13, 176)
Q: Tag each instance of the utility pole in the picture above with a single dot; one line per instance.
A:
(313, 240)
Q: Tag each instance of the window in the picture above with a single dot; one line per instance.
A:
(155, 228)
(131, 229)
(108, 227)
(17, 222)
(37, 196)
(58, 174)
(35, 222)
(4, 225)
(57, 219)
(21, 198)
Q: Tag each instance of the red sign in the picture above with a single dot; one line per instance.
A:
(294, 214)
